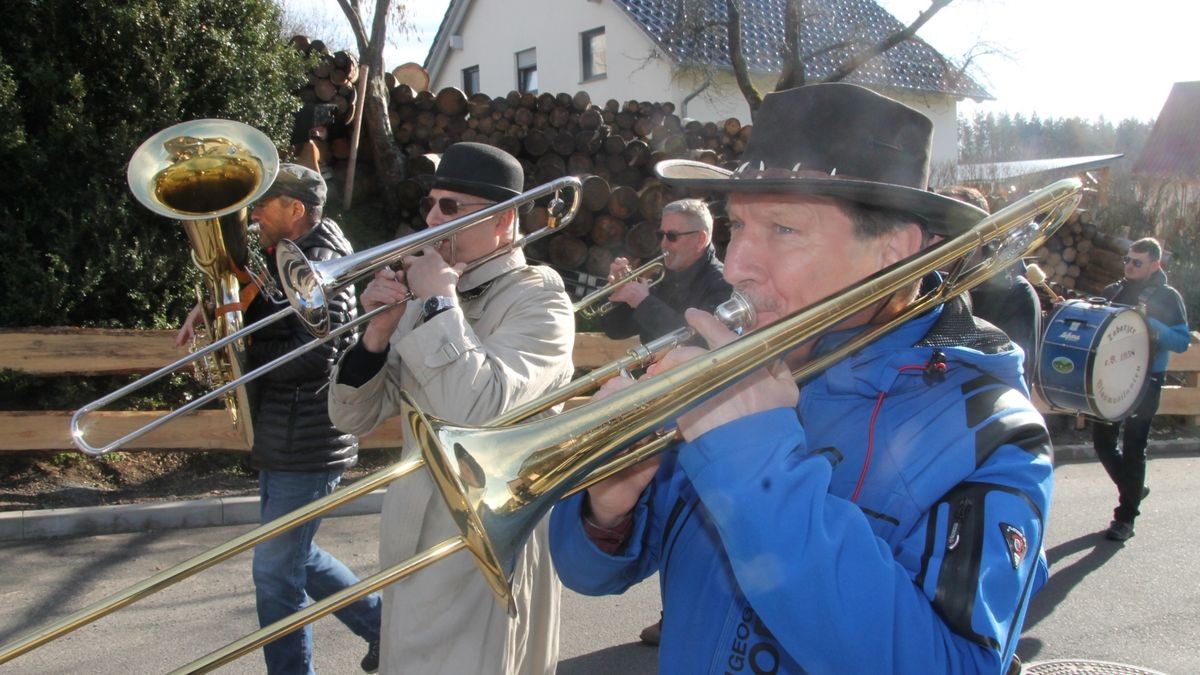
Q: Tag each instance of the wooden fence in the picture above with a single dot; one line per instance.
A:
(84, 351)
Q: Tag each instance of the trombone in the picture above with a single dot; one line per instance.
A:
(309, 284)
(499, 481)
(655, 269)
(737, 313)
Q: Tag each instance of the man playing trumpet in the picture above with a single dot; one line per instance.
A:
(890, 516)
(692, 277)
(468, 347)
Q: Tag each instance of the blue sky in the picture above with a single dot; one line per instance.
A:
(1056, 58)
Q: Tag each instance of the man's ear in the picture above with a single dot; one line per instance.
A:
(901, 243)
(504, 226)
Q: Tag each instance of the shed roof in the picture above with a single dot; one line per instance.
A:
(1045, 169)
(1173, 148)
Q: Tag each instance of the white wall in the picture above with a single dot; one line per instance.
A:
(493, 31)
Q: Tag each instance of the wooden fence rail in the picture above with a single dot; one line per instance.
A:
(87, 351)
(90, 351)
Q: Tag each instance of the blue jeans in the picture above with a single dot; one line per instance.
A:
(291, 568)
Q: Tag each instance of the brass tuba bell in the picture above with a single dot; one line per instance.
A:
(206, 173)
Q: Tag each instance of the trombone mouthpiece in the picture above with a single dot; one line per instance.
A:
(737, 313)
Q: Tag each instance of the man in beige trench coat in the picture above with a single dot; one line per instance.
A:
(468, 347)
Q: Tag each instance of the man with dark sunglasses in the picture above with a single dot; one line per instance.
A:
(694, 278)
(1144, 286)
(467, 346)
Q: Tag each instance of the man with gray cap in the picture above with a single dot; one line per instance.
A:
(466, 345)
(299, 453)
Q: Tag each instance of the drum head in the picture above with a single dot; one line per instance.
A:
(1121, 365)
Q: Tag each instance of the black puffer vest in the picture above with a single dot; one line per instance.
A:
(289, 405)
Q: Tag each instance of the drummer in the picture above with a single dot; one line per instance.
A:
(1145, 287)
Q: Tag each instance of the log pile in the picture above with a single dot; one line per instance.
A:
(331, 81)
(1080, 260)
(614, 146)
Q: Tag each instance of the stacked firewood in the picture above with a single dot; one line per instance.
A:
(1080, 260)
(614, 146)
(331, 81)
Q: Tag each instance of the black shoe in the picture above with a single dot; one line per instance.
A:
(652, 634)
(1145, 492)
(1119, 530)
(370, 662)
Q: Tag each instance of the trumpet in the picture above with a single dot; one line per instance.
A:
(308, 285)
(655, 269)
(500, 480)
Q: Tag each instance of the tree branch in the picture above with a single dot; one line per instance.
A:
(792, 73)
(737, 59)
(351, 10)
(888, 42)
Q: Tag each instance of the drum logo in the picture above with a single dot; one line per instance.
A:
(1062, 364)
(1069, 336)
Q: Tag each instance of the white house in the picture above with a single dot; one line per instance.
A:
(634, 49)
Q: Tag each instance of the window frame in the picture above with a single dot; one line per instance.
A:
(587, 54)
(470, 70)
(525, 70)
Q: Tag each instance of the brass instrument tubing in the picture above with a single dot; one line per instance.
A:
(207, 559)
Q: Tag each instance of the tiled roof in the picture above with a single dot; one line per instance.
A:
(912, 65)
(1173, 148)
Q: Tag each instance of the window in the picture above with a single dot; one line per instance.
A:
(594, 57)
(471, 80)
(527, 82)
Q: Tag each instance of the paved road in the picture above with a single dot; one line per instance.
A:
(1137, 603)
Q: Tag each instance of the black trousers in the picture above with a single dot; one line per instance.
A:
(1127, 467)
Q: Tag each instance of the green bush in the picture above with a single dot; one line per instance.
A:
(81, 86)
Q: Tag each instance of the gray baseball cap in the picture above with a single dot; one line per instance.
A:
(298, 182)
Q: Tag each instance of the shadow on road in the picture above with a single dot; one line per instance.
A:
(1064, 579)
(628, 659)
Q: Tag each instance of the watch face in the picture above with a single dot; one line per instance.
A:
(431, 305)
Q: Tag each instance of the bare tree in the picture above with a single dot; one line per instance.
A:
(692, 23)
(390, 163)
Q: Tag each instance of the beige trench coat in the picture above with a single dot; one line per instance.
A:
(502, 349)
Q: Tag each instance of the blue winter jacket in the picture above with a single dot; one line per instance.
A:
(892, 523)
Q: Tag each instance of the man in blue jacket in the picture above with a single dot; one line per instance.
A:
(1144, 286)
(890, 516)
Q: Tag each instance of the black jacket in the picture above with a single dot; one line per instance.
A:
(702, 285)
(289, 405)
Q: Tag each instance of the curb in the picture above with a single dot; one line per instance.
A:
(87, 521)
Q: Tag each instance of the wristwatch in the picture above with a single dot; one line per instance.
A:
(436, 305)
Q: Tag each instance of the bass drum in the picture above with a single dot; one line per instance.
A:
(1094, 359)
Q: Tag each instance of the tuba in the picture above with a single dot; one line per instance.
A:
(206, 174)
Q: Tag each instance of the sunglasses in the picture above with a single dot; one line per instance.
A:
(1134, 261)
(673, 236)
(447, 205)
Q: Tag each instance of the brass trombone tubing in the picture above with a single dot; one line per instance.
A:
(582, 444)
(636, 357)
(205, 560)
(340, 274)
(585, 306)
(308, 283)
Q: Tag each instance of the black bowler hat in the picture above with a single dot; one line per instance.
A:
(479, 170)
(836, 140)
